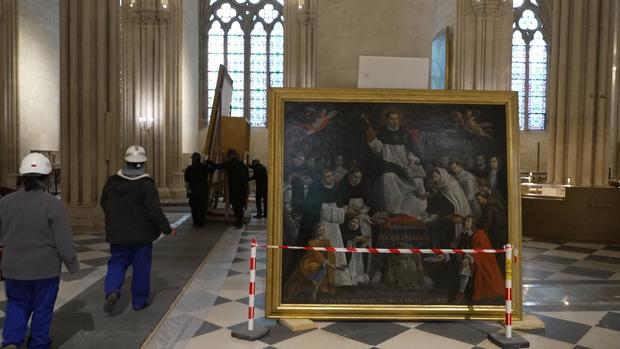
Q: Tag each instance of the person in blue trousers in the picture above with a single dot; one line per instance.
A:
(133, 220)
(37, 238)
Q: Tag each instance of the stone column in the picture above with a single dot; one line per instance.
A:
(352, 28)
(482, 45)
(9, 116)
(151, 39)
(580, 87)
(89, 105)
(614, 130)
(300, 43)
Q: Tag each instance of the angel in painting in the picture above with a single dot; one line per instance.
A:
(316, 121)
(468, 121)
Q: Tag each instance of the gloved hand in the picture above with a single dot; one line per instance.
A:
(72, 265)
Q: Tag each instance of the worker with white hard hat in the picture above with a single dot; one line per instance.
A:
(37, 238)
(133, 220)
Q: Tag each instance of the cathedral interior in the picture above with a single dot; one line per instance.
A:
(81, 81)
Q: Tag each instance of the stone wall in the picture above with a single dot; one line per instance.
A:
(39, 75)
(348, 29)
(190, 80)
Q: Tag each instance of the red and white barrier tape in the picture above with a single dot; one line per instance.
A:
(386, 250)
(507, 249)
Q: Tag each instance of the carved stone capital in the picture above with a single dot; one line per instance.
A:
(155, 17)
(488, 8)
(305, 16)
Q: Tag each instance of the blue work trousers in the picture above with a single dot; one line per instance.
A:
(26, 298)
(139, 258)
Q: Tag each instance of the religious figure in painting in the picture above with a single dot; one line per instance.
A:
(447, 206)
(322, 205)
(400, 187)
(353, 236)
(469, 184)
(315, 271)
(482, 268)
(494, 221)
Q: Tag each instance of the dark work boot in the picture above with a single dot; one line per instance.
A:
(110, 302)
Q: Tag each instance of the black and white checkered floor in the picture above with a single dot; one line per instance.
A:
(573, 287)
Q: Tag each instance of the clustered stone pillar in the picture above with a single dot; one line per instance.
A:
(151, 39)
(120, 85)
(580, 86)
(300, 42)
(614, 129)
(482, 45)
(9, 117)
(89, 105)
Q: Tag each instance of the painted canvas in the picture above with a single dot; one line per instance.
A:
(391, 169)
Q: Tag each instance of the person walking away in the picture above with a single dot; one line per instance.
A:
(238, 177)
(260, 176)
(197, 185)
(37, 238)
(133, 220)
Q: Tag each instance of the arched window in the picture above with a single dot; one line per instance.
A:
(529, 64)
(247, 36)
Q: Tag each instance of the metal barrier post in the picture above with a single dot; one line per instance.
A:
(508, 291)
(251, 333)
(508, 341)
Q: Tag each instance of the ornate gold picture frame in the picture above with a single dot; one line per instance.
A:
(387, 168)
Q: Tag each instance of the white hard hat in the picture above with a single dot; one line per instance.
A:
(35, 163)
(135, 153)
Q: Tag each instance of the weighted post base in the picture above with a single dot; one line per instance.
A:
(515, 342)
(257, 333)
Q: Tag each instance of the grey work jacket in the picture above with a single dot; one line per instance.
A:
(36, 235)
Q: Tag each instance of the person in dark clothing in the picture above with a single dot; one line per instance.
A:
(296, 173)
(496, 180)
(238, 177)
(260, 176)
(321, 192)
(481, 170)
(495, 222)
(352, 235)
(197, 185)
(4, 191)
(354, 187)
(37, 238)
(133, 220)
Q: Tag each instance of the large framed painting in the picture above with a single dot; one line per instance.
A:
(392, 169)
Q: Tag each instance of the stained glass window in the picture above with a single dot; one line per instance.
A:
(276, 57)
(258, 80)
(215, 57)
(247, 36)
(529, 65)
(236, 59)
